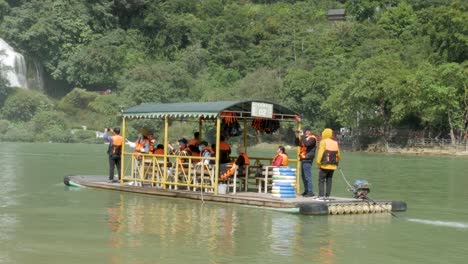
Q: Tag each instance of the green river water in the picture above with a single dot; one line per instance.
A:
(44, 221)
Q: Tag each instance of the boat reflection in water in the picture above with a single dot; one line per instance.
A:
(168, 226)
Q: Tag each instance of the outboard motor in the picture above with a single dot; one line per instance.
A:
(361, 189)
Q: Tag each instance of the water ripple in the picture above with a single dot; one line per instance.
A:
(440, 223)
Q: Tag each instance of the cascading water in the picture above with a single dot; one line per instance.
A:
(14, 65)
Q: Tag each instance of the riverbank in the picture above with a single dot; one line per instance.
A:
(458, 150)
(428, 151)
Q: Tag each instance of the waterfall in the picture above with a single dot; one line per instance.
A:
(13, 66)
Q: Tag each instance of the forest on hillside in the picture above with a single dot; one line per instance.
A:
(392, 65)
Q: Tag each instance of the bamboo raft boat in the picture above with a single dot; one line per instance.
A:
(299, 204)
(191, 178)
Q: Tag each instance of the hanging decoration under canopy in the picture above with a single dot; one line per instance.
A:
(266, 125)
(230, 126)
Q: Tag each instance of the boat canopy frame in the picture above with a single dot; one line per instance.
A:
(243, 110)
(207, 110)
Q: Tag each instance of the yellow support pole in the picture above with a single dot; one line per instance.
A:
(218, 138)
(200, 127)
(166, 144)
(122, 155)
(298, 164)
(245, 135)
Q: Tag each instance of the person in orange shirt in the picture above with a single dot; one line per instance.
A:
(307, 142)
(114, 151)
(224, 151)
(194, 143)
(281, 158)
(206, 152)
(183, 150)
(159, 149)
(152, 142)
(240, 162)
(142, 144)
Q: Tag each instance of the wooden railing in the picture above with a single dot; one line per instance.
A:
(169, 171)
(175, 172)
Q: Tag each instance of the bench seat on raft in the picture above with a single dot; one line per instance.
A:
(265, 180)
(205, 175)
(239, 181)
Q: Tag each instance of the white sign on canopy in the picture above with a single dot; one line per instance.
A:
(262, 110)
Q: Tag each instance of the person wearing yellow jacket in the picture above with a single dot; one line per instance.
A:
(328, 157)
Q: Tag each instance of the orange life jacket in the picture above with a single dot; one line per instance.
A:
(193, 142)
(330, 153)
(224, 152)
(246, 159)
(232, 170)
(209, 149)
(116, 147)
(185, 152)
(159, 152)
(284, 160)
(139, 144)
(151, 146)
(224, 146)
(303, 152)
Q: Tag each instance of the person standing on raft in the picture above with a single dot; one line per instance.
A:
(114, 151)
(328, 157)
(307, 143)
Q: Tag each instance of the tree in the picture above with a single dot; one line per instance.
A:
(304, 92)
(4, 9)
(22, 105)
(194, 57)
(129, 12)
(53, 30)
(445, 97)
(399, 19)
(447, 29)
(102, 61)
(77, 99)
(372, 95)
(156, 82)
(262, 84)
(362, 10)
(45, 120)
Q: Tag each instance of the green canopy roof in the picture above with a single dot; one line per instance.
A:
(243, 109)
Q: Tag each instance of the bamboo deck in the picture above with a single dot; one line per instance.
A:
(304, 205)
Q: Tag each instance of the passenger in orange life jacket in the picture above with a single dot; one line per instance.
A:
(328, 157)
(183, 150)
(240, 162)
(114, 151)
(281, 158)
(307, 142)
(224, 151)
(160, 151)
(205, 152)
(152, 142)
(142, 144)
(194, 143)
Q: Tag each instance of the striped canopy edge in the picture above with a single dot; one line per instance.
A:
(207, 110)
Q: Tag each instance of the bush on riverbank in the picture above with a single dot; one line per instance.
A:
(30, 116)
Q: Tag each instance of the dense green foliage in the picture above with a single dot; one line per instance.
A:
(391, 64)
